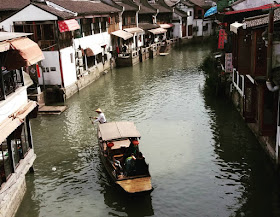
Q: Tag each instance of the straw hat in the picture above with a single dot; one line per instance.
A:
(98, 110)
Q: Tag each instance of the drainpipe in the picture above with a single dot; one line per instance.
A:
(137, 14)
(121, 17)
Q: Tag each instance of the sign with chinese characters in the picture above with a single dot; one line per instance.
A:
(228, 62)
(222, 35)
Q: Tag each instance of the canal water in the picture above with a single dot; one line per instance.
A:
(203, 159)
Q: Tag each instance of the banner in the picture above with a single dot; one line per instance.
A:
(228, 62)
(222, 37)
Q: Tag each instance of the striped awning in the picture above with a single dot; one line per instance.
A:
(68, 25)
(23, 52)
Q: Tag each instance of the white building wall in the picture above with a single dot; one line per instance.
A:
(177, 30)
(208, 32)
(52, 75)
(251, 4)
(12, 103)
(30, 13)
(190, 12)
(199, 24)
(68, 64)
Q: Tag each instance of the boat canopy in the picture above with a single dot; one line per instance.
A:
(117, 130)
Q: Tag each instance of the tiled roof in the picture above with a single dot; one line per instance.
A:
(261, 20)
(145, 7)
(147, 26)
(189, 4)
(237, 2)
(161, 8)
(202, 3)
(62, 14)
(86, 7)
(171, 3)
(128, 7)
(7, 5)
(180, 13)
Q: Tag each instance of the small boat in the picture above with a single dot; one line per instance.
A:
(163, 54)
(116, 143)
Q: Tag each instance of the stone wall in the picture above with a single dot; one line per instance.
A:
(12, 191)
(93, 74)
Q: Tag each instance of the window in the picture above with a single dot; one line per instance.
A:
(240, 82)
(205, 28)
(6, 168)
(132, 20)
(199, 14)
(43, 33)
(190, 13)
(65, 39)
(90, 61)
(104, 24)
(12, 150)
(125, 21)
(86, 26)
(96, 26)
(99, 58)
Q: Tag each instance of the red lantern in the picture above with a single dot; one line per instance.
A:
(135, 142)
(110, 144)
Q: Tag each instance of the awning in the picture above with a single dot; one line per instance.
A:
(93, 49)
(4, 46)
(234, 27)
(157, 31)
(10, 124)
(117, 130)
(211, 11)
(68, 25)
(134, 30)
(122, 34)
(24, 52)
(166, 25)
(6, 37)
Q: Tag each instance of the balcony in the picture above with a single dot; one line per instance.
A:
(9, 82)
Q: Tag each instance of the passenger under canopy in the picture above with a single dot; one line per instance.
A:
(117, 130)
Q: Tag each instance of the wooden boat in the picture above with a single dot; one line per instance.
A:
(115, 144)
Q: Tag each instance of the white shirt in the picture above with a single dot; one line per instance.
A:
(101, 118)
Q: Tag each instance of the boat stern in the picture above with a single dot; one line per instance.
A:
(137, 185)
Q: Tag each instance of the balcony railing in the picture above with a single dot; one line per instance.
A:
(9, 82)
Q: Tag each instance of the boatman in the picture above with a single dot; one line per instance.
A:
(101, 117)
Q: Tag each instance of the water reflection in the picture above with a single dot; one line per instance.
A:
(245, 174)
(121, 203)
(203, 159)
(29, 208)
